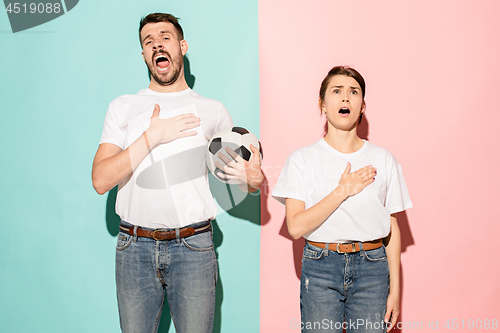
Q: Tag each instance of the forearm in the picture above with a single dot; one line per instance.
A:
(393, 249)
(108, 171)
(301, 222)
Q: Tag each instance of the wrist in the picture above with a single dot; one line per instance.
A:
(342, 192)
(257, 182)
(150, 138)
(147, 141)
(394, 290)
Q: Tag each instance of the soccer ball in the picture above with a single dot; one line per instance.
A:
(236, 138)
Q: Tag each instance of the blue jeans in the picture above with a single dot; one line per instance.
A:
(184, 270)
(343, 290)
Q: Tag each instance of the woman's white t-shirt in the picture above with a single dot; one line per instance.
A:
(311, 173)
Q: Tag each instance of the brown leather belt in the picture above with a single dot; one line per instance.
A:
(349, 247)
(164, 234)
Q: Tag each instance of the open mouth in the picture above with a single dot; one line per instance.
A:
(162, 62)
(344, 111)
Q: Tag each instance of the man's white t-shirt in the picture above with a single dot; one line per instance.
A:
(169, 189)
(311, 173)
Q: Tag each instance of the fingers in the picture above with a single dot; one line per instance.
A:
(366, 173)
(392, 323)
(388, 312)
(224, 158)
(391, 315)
(219, 165)
(156, 112)
(186, 116)
(230, 173)
(187, 119)
(347, 168)
(255, 153)
(184, 134)
(233, 154)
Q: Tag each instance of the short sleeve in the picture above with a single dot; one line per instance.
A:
(224, 119)
(291, 181)
(112, 132)
(398, 198)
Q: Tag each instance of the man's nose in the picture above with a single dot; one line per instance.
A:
(157, 45)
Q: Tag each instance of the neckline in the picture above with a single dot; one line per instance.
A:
(353, 154)
(148, 91)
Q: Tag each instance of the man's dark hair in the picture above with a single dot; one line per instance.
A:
(161, 17)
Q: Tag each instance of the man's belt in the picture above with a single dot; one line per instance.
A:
(349, 247)
(168, 234)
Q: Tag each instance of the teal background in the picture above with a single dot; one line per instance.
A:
(57, 80)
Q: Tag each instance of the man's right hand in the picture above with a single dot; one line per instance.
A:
(167, 130)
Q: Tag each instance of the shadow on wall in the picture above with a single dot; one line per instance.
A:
(297, 246)
(230, 199)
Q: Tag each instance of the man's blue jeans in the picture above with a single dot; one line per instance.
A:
(343, 290)
(184, 270)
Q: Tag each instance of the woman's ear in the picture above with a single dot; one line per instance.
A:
(363, 107)
(321, 107)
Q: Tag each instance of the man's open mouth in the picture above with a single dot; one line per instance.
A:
(344, 111)
(161, 61)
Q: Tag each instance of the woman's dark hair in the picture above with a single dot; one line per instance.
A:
(161, 17)
(346, 71)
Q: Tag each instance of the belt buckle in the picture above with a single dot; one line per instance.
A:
(353, 244)
(154, 235)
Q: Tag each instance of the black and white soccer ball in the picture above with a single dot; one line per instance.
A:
(238, 139)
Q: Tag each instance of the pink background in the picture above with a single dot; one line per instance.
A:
(432, 70)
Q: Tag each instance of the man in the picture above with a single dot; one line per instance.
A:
(152, 147)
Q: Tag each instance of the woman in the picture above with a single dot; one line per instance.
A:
(341, 194)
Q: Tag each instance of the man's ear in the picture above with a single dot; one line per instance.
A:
(184, 47)
(142, 52)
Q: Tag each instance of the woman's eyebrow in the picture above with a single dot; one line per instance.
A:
(351, 87)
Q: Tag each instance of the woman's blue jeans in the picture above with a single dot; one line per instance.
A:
(184, 270)
(343, 290)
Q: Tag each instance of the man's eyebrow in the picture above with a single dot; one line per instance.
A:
(146, 37)
(161, 33)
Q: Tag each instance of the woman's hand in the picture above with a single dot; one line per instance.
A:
(352, 183)
(392, 310)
